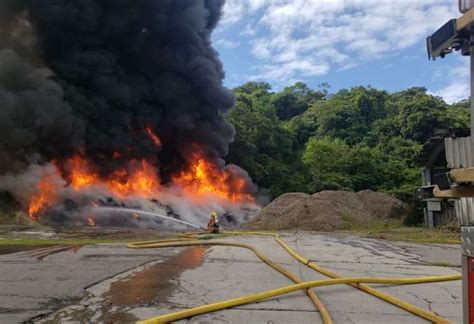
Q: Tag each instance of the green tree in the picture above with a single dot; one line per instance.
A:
(300, 139)
(420, 114)
(326, 160)
(263, 146)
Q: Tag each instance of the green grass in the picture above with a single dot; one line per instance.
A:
(208, 236)
(418, 235)
(12, 245)
(352, 224)
(395, 231)
(46, 242)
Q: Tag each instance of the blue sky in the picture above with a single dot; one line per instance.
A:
(344, 43)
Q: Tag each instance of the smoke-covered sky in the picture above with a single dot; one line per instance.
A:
(91, 76)
(342, 42)
(118, 100)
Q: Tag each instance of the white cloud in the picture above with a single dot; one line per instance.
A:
(454, 92)
(226, 43)
(248, 31)
(348, 66)
(336, 34)
(457, 81)
(236, 10)
(260, 49)
(303, 67)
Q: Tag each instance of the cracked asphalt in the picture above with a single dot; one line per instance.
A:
(109, 283)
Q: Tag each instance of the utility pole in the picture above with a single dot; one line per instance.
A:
(458, 35)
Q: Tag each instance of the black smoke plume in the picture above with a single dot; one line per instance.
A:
(91, 75)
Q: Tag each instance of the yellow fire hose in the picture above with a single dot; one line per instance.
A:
(186, 242)
(190, 240)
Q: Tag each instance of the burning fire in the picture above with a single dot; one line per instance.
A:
(204, 178)
(153, 136)
(90, 221)
(47, 193)
(141, 181)
(140, 178)
(80, 174)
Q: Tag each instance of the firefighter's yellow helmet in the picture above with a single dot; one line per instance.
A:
(214, 214)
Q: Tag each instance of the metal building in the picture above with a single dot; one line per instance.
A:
(458, 156)
(445, 150)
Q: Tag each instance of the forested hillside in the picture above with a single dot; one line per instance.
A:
(300, 139)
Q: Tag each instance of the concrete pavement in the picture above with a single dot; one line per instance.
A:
(109, 283)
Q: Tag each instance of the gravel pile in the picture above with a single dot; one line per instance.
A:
(328, 210)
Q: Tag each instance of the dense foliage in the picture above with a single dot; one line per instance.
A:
(300, 139)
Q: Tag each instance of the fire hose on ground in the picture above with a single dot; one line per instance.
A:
(336, 279)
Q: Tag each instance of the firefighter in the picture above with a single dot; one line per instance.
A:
(213, 224)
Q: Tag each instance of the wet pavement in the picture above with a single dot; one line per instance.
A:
(31, 288)
(109, 283)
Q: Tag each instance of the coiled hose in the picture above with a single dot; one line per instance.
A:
(359, 283)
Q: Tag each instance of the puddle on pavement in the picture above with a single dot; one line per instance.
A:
(151, 285)
(154, 284)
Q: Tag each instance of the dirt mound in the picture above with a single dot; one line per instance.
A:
(328, 210)
(382, 205)
(274, 210)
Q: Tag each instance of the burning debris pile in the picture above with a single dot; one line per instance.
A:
(117, 100)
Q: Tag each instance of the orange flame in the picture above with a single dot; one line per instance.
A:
(140, 178)
(47, 194)
(205, 178)
(142, 181)
(155, 138)
(90, 221)
(80, 174)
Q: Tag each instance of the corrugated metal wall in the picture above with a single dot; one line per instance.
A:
(464, 210)
(458, 155)
(458, 152)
